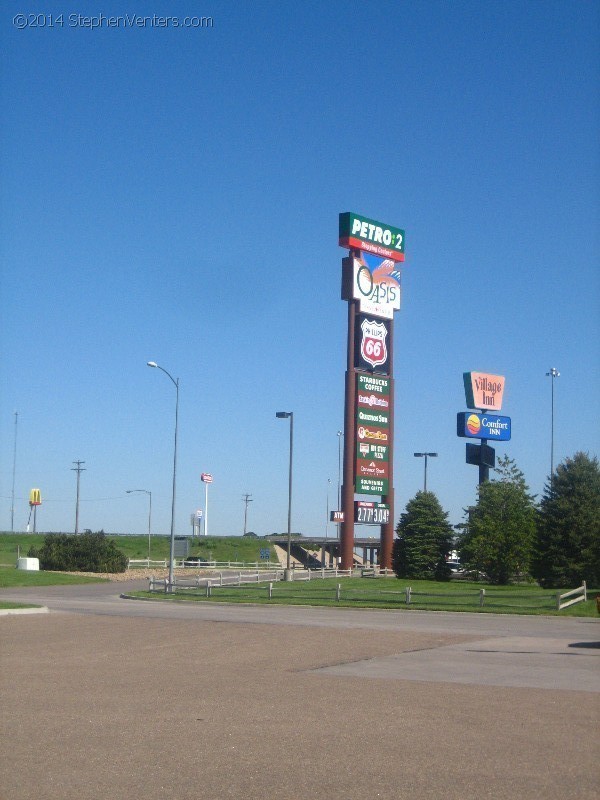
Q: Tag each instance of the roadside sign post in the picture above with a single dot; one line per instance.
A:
(485, 392)
(35, 500)
(206, 478)
(371, 286)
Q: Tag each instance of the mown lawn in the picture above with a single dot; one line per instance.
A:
(10, 578)
(391, 593)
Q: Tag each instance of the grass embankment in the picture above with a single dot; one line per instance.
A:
(390, 593)
(213, 548)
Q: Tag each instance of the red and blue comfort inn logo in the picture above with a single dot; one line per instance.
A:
(483, 426)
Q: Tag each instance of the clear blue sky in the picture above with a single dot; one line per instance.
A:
(173, 195)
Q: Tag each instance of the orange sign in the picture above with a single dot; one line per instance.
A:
(484, 391)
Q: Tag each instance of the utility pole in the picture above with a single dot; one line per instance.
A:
(12, 504)
(247, 498)
(78, 469)
(554, 373)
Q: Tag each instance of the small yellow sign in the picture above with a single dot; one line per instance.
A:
(35, 497)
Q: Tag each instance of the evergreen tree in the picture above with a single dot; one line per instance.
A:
(424, 540)
(500, 530)
(567, 549)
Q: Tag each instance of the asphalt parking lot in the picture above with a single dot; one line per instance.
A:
(109, 698)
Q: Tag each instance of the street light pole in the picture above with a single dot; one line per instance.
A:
(12, 502)
(425, 456)
(327, 511)
(172, 545)
(145, 491)
(554, 373)
(339, 497)
(290, 415)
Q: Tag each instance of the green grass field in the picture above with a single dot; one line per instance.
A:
(355, 592)
(390, 593)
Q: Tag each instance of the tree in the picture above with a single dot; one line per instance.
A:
(424, 540)
(498, 537)
(567, 547)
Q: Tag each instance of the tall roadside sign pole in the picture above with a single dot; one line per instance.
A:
(484, 392)
(347, 526)
(206, 478)
(371, 287)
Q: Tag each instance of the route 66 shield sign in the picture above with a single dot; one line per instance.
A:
(372, 351)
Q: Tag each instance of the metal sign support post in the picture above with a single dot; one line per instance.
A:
(387, 530)
(206, 509)
(347, 526)
(484, 470)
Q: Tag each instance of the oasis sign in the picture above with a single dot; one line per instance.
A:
(483, 426)
(374, 282)
(361, 233)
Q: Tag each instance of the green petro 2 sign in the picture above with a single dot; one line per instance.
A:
(361, 233)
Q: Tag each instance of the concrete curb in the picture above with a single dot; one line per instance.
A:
(37, 610)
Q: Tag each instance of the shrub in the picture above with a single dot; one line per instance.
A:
(88, 552)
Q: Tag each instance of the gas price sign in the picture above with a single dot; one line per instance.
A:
(371, 513)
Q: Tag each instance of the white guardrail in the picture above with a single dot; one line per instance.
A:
(240, 577)
(578, 595)
(185, 563)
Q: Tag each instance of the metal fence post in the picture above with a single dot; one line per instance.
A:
(481, 597)
(270, 591)
(338, 591)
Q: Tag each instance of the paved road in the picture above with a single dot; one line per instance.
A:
(105, 697)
